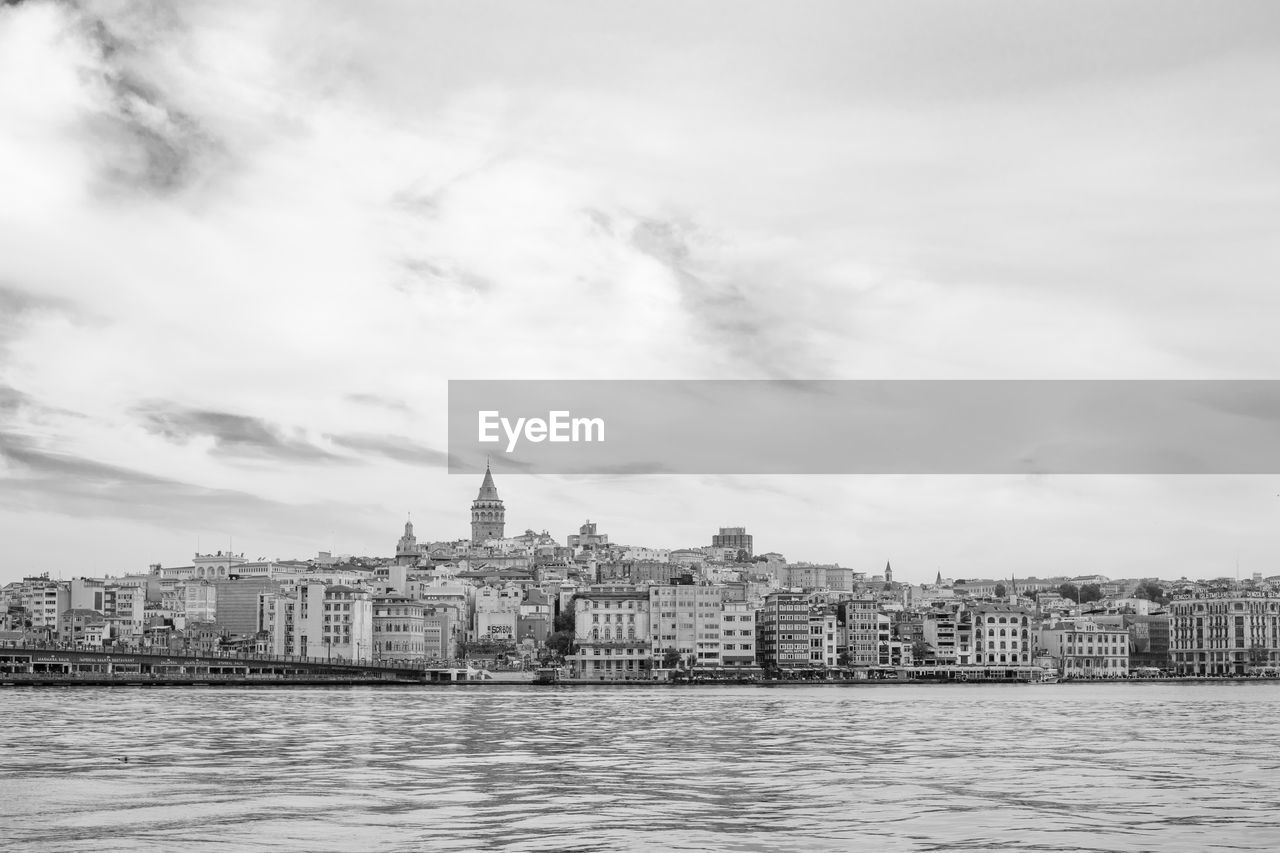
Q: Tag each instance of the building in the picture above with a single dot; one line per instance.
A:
(856, 621)
(125, 610)
(688, 619)
(587, 539)
(735, 539)
(814, 577)
(1001, 634)
(199, 601)
(488, 516)
(88, 594)
(214, 566)
(1224, 633)
(440, 627)
(348, 623)
(295, 619)
(1148, 636)
(940, 633)
(237, 602)
(782, 632)
(42, 601)
(822, 637)
(536, 616)
(81, 626)
(890, 650)
(498, 612)
(738, 636)
(611, 632)
(407, 552)
(399, 630)
(1084, 649)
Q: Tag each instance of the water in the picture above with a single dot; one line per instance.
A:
(1115, 767)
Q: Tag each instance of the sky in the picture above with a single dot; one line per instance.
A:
(244, 247)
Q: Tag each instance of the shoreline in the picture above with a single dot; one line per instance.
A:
(9, 682)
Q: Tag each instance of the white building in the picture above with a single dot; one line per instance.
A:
(1225, 633)
(611, 631)
(348, 624)
(1001, 635)
(688, 619)
(738, 634)
(1083, 649)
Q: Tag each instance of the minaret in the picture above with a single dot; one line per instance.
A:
(488, 517)
(407, 548)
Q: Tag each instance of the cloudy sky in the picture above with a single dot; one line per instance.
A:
(243, 248)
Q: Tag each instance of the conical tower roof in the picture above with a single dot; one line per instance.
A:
(488, 491)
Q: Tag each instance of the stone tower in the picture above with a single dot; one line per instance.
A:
(407, 548)
(488, 517)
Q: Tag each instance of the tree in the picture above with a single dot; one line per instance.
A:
(1150, 590)
(742, 556)
(563, 630)
(1090, 592)
(561, 643)
(671, 659)
(1070, 591)
(567, 618)
(1001, 591)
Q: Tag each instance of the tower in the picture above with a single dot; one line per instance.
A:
(407, 547)
(888, 573)
(488, 517)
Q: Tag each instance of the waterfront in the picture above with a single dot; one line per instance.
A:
(1118, 767)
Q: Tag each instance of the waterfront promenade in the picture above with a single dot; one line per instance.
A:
(54, 665)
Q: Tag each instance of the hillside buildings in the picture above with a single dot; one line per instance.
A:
(613, 611)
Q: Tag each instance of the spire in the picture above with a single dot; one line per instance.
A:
(488, 491)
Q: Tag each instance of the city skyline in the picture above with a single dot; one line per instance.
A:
(242, 252)
(480, 531)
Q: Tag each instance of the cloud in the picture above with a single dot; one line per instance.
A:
(12, 400)
(263, 207)
(394, 447)
(149, 144)
(379, 401)
(19, 309)
(45, 481)
(233, 435)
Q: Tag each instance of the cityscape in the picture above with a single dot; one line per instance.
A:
(502, 608)
(578, 427)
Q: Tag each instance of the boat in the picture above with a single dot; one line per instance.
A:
(546, 675)
(1047, 676)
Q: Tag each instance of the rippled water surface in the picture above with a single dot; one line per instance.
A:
(1121, 767)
